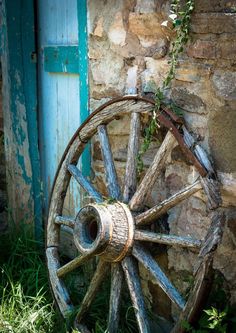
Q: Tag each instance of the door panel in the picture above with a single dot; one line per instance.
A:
(59, 92)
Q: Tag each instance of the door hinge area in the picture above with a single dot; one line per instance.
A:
(34, 57)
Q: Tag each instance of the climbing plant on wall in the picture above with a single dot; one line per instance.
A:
(180, 17)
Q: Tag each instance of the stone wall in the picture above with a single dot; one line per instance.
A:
(128, 46)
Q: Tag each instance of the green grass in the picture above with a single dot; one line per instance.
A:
(26, 305)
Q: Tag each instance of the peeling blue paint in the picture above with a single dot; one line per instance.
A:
(83, 69)
(21, 100)
(21, 163)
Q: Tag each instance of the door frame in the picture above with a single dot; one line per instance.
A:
(20, 105)
(83, 72)
(19, 71)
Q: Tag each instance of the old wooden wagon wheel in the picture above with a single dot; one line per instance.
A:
(114, 231)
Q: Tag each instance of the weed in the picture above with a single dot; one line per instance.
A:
(219, 317)
(26, 305)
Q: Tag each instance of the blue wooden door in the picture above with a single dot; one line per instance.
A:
(62, 84)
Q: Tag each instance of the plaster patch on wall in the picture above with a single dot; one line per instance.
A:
(117, 33)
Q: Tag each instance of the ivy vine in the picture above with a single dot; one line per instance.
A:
(180, 16)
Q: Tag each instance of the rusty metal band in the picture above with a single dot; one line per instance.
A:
(167, 123)
(163, 120)
(130, 238)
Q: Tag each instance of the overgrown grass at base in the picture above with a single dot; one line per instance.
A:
(26, 305)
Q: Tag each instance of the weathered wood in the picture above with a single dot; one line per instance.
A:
(153, 172)
(65, 220)
(115, 298)
(115, 231)
(197, 296)
(71, 265)
(211, 188)
(111, 112)
(145, 258)
(62, 181)
(74, 150)
(110, 170)
(203, 275)
(198, 151)
(172, 240)
(81, 328)
(130, 268)
(130, 181)
(67, 246)
(19, 97)
(87, 186)
(60, 293)
(214, 233)
(75, 147)
(99, 275)
(155, 212)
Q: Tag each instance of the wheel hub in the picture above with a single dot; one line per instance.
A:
(106, 230)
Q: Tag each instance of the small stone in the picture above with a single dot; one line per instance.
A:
(107, 70)
(216, 23)
(147, 27)
(145, 6)
(188, 101)
(160, 51)
(215, 6)
(131, 81)
(222, 138)
(196, 123)
(222, 48)
(225, 84)
(117, 33)
(203, 49)
(98, 31)
(154, 74)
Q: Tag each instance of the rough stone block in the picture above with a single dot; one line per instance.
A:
(188, 101)
(203, 49)
(117, 32)
(225, 84)
(145, 6)
(154, 74)
(215, 6)
(147, 27)
(222, 138)
(216, 23)
(189, 71)
(222, 48)
(98, 30)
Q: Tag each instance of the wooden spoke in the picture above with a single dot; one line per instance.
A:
(99, 275)
(59, 290)
(153, 172)
(65, 220)
(198, 295)
(73, 264)
(160, 209)
(131, 165)
(172, 240)
(115, 297)
(110, 171)
(145, 258)
(113, 232)
(132, 277)
(87, 186)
